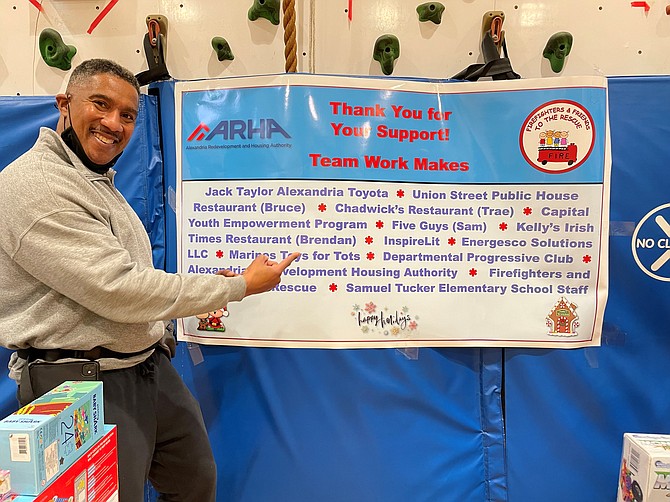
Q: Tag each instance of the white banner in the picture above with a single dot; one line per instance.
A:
(426, 213)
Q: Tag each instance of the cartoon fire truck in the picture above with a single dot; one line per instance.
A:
(557, 154)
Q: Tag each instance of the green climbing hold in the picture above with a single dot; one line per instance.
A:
(54, 51)
(430, 11)
(386, 51)
(557, 49)
(222, 49)
(269, 9)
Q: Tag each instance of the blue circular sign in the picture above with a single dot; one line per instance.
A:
(651, 243)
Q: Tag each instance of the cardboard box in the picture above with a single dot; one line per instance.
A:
(92, 478)
(644, 473)
(42, 439)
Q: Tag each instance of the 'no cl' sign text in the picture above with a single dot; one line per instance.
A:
(651, 243)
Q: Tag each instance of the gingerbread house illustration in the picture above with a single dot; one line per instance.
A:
(562, 320)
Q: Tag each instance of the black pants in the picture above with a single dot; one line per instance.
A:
(161, 433)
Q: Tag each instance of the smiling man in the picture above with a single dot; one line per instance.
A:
(80, 297)
(98, 113)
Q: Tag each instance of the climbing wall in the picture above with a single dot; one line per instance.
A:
(335, 36)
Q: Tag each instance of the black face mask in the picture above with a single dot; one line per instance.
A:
(72, 141)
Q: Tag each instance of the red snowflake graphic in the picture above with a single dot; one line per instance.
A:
(527, 211)
(332, 287)
(369, 240)
(370, 307)
(451, 241)
(412, 325)
(473, 272)
(322, 207)
(400, 193)
(219, 254)
(379, 224)
(586, 258)
(371, 256)
(503, 226)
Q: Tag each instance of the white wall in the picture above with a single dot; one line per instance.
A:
(610, 37)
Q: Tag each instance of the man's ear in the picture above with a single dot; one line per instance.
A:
(61, 103)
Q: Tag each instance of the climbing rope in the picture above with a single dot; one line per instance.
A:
(288, 9)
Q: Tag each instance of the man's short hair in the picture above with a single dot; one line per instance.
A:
(92, 67)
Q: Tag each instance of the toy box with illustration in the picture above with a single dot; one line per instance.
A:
(92, 478)
(42, 439)
(644, 473)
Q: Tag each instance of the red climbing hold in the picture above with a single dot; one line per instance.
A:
(37, 4)
(641, 4)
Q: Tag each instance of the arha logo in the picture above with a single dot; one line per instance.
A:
(238, 129)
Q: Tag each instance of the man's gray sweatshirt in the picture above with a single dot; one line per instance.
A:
(76, 263)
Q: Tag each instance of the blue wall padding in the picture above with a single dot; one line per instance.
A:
(20, 120)
(356, 425)
(164, 93)
(567, 410)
